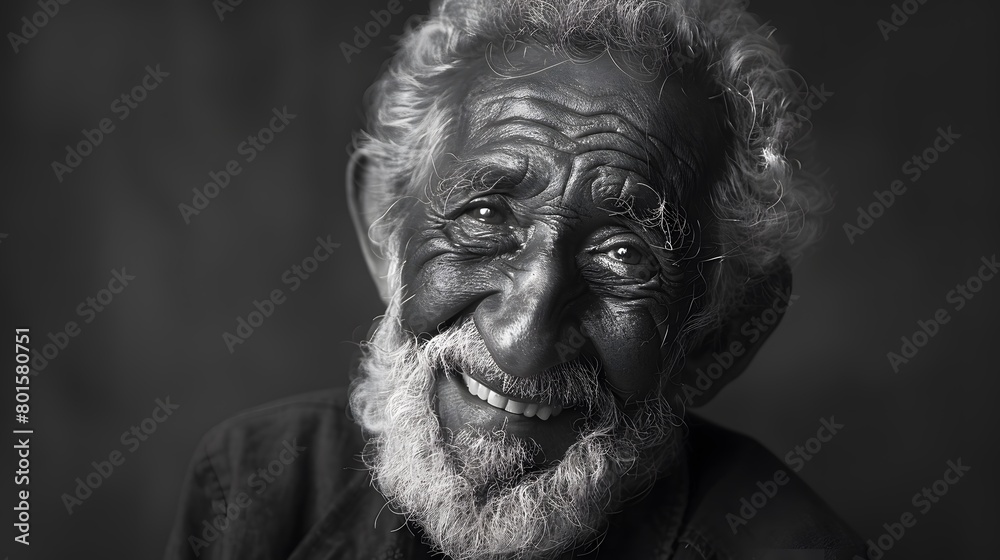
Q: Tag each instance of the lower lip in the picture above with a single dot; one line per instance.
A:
(554, 436)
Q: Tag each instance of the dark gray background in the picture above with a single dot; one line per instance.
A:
(163, 335)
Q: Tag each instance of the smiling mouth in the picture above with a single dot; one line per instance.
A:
(503, 402)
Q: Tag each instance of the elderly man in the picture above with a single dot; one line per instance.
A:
(573, 209)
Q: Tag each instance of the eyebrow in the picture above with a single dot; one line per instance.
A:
(665, 221)
(486, 172)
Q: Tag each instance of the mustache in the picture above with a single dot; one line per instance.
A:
(461, 349)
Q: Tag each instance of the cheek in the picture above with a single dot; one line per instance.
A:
(438, 287)
(630, 343)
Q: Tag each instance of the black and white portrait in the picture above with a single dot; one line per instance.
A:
(500, 279)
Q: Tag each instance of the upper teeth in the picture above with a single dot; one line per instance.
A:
(543, 411)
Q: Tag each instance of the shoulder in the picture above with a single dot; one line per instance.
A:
(261, 479)
(744, 500)
(303, 444)
(318, 421)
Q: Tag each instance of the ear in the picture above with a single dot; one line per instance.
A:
(724, 355)
(364, 208)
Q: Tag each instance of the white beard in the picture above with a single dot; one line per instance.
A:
(481, 495)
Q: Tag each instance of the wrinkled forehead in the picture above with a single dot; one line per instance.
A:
(595, 119)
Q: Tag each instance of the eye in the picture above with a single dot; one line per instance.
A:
(626, 255)
(485, 213)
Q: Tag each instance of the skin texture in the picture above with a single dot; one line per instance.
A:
(530, 231)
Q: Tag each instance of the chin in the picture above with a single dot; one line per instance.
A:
(483, 478)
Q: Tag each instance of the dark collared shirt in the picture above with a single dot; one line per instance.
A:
(286, 481)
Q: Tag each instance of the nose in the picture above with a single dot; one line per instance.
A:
(528, 325)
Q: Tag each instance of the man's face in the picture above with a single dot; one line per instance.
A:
(561, 229)
(546, 274)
